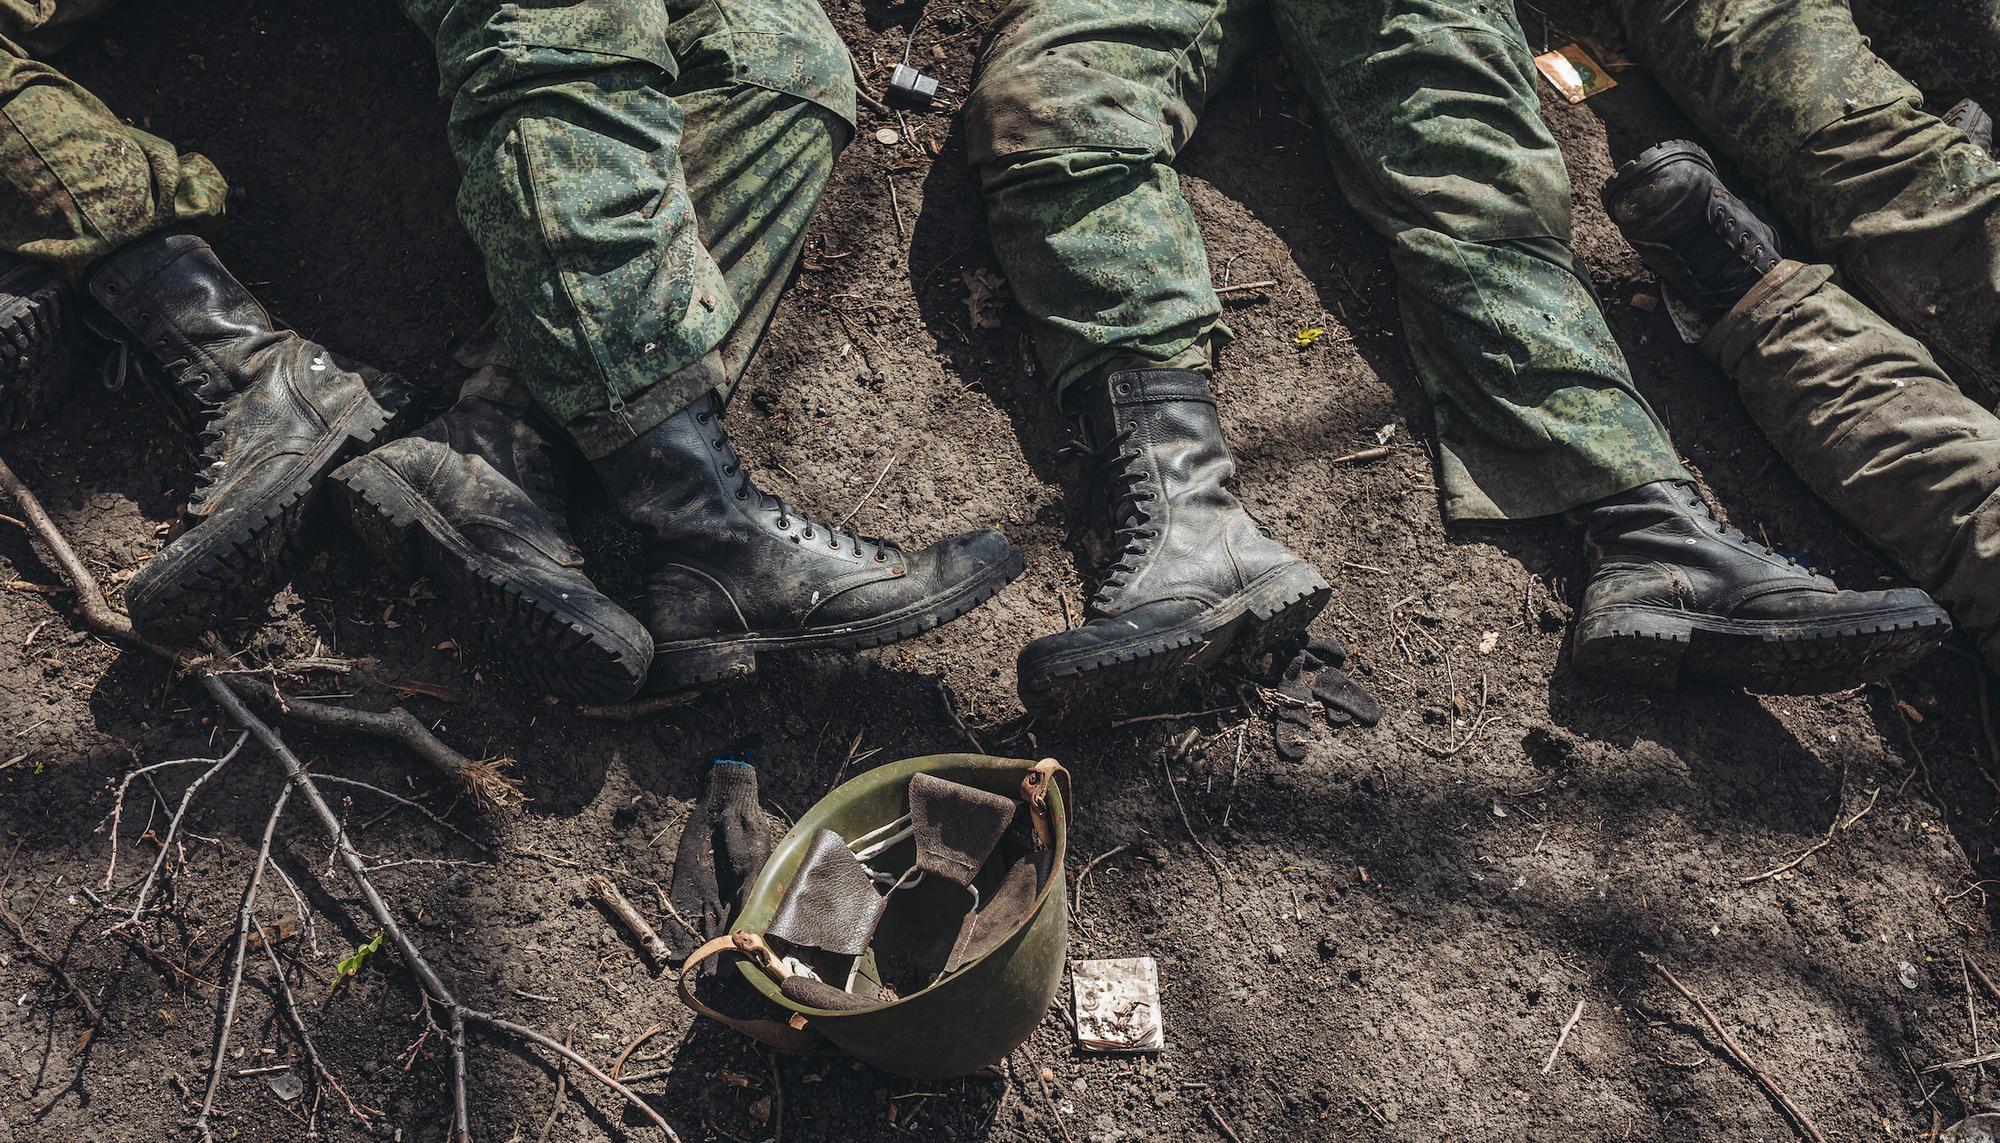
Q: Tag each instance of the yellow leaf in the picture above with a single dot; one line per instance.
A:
(1306, 337)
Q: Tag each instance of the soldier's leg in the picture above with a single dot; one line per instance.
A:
(639, 174)
(1942, 45)
(575, 190)
(1079, 109)
(76, 182)
(1077, 115)
(1864, 415)
(1906, 206)
(766, 115)
(1438, 141)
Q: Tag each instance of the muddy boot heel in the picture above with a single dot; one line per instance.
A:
(1614, 649)
(380, 511)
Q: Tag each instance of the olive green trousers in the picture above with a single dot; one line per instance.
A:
(1865, 416)
(1434, 129)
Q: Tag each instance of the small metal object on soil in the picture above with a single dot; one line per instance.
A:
(888, 137)
(1117, 1005)
(911, 89)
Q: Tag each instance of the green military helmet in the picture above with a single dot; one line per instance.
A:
(952, 972)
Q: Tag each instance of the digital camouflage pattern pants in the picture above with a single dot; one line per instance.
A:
(79, 183)
(1430, 112)
(1795, 93)
(638, 175)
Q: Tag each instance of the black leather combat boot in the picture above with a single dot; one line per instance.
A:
(276, 413)
(733, 572)
(1971, 118)
(470, 501)
(38, 339)
(1706, 245)
(1195, 576)
(1675, 593)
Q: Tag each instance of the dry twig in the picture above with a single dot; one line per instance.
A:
(244, 920)
(606, 893)
(1833, 827)
(1562, 1038)
(1735, 1050)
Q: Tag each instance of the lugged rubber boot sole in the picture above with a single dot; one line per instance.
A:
(687, 664)
(1148, 673)
(1658, 647)
(214, 571)
(38, 344)
(550, 644)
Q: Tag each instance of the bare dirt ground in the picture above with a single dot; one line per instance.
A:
(1403, 921)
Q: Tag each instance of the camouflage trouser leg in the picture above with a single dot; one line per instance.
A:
(1082, 103)
(1437, 139)
(1865, 416)
(1080, 107)
(638, 175)
(1906, 207)
(75, 182)
(1944, 46)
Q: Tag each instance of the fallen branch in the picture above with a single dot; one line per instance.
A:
(55, 967)
(1735, 1050)
(1239, 287)
(1562, 1038)
(605, 892)
(433, 986)
(367, 1115)
(487, 781)
(173, 832)
(643, 708)
(1833, 827)
(245, 918)
(1376, 453)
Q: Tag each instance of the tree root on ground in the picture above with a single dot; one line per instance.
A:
(484, 781)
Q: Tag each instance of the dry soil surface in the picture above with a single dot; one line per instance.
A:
(1383, 940)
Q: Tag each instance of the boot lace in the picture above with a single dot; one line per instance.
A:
(1121, 484)
(788, 516)
(1737, 536)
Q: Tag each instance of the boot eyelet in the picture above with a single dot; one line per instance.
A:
(807, 533)
(729, 470)
(701, 418)
(880, 558)
(717, 442)
(742, 495)
(111, 287)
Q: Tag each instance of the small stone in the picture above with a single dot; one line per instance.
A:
(1277, 952)
(888, 137)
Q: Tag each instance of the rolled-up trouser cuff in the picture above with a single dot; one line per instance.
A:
(1739, 332)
